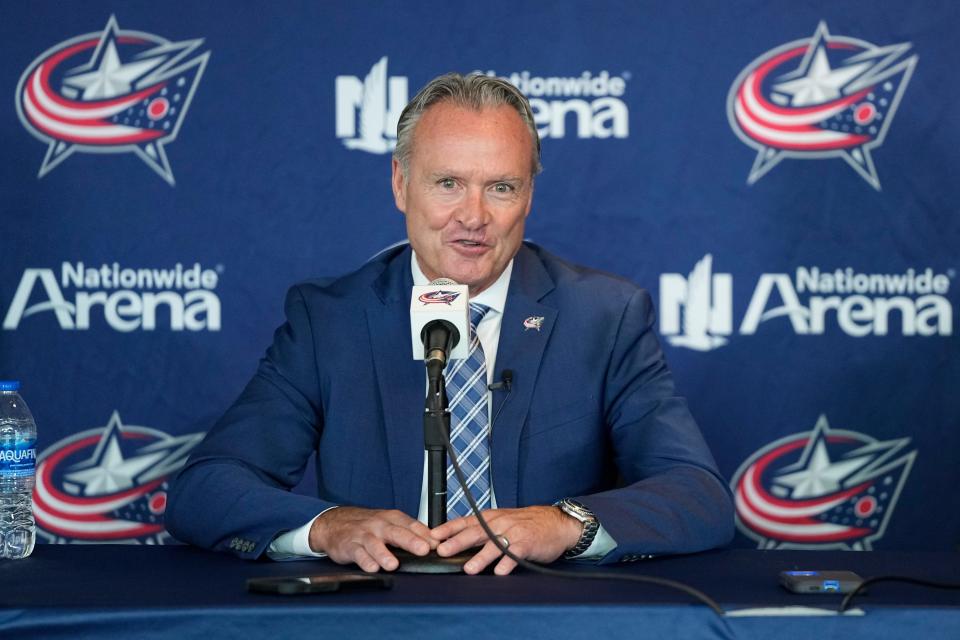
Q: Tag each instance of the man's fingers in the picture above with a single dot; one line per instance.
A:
(482, 559)
(505, 566)
(423, 532)
(407, 540)
(365, 561)
(453, 527)
(538, 533)
(466, 539)
(381, 555)
(412, 526)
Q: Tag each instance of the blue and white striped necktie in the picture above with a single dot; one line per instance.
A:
(470, 425)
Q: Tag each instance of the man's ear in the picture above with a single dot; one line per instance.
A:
(398, 181)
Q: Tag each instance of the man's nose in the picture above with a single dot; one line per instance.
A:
(473, 213)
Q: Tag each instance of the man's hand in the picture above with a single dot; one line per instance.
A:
(353, 534)
(542, 534)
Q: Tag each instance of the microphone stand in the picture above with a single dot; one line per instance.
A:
(436, 433)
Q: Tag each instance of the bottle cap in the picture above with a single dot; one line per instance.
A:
(9, 385)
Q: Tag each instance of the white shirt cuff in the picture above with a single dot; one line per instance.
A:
(295, 544)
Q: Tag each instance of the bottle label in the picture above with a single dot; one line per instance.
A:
(18, 461)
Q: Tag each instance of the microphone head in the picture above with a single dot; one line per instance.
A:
(441, 300)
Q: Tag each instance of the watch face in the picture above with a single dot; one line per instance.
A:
(577, 510)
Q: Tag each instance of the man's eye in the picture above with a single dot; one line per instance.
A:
(502, 187)
(447, 183)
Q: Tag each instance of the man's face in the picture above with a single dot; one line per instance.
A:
(468, 192)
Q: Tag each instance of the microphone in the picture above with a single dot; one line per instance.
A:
(439, 317)
(506, 381)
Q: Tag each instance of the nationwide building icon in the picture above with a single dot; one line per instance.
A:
(113, 91)
(704, 302)
(821, 489)
(821, 97)
(368, 110)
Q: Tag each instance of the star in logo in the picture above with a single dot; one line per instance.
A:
(818, 475)
(815, 474)
(110, 78)
(819, 83)
(114, 467)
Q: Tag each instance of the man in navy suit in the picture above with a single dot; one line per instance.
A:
(591, 455)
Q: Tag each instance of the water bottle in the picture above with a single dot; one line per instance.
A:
(18, 457)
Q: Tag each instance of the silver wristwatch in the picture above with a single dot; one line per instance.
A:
(586, 518)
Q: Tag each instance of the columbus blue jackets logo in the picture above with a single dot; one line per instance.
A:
(439, 297)
(825, 488)
(114, 91)
(533, 322)
(108, 484)
(821, 97)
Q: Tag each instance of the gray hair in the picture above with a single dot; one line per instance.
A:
(475, 91)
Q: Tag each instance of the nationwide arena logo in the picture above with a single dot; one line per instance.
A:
(368, 109)
(591, 102)
(696, 310)
(180, 297)
(108, 484)
(825, 488)
(114, 91)
(821, 97)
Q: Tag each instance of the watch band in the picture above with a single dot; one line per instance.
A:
(586, 518)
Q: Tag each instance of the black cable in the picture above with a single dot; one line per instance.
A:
(918, 581)
(503, 403)
(559, 573)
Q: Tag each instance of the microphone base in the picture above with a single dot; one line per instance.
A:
(431, 563)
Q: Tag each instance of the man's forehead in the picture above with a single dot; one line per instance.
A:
(452, 104)
(449, 123)
(448, 112)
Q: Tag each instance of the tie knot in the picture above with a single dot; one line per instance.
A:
(477, 311)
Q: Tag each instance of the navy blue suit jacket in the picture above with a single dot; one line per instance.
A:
(592, 415)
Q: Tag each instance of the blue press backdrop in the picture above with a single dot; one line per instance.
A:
(645, 177)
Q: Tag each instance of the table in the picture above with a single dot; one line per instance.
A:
(131, 591)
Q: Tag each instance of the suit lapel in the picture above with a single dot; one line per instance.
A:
(521, 350)
(400, 379)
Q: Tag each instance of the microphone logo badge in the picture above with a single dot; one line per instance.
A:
(821, 489)
(533, 322)
(115, 91)
(439, 297)
(820, 97)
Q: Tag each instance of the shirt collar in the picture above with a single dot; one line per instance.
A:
(494, 296)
